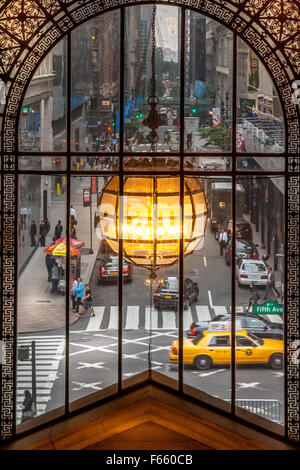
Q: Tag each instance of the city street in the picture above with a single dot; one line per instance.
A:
(94, 340)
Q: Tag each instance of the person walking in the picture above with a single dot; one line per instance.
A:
(73, 295)
(73, 233)
(49, 260)
(55, 277)
(254, 297)
(222, 240)
(28, 408)
(33, 232)
(43, 232)
(79, 292)
(270, 289)
(58, 230)
(73, 216)
(47, 225)
(87, 301)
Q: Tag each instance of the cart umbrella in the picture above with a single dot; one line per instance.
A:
(73, 242)
(60, 249)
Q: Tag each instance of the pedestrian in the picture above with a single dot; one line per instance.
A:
(73, 295)
(270, 289)
(254, 297)
(222, 240)
(47, 225)
(55, 277)
(49, 260)
(87, 301)
(73, 232)
(58, 230)
(79, 292)
(73, 216)
(28, 408)
(43, 232)
(33, 232)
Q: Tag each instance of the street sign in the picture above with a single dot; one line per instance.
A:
(86, 197)
(269, 308)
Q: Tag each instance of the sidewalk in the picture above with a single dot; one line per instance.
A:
(38, 309)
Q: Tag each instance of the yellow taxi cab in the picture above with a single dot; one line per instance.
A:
(214, 347)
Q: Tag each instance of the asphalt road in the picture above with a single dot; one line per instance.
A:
(94, 342)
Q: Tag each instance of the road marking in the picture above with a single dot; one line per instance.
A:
(113, 318)
(150, 312)
(204, 261)
(220, 309)
(169, 320)
(206, 374)
(203, 313)
(95, 322)
(132, 317)
(187, 318)
(210, 299)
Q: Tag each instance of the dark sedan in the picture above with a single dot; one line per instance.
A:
(167, 293)
(109, 270)
(247, 322)
(243, 229)
(243, 249)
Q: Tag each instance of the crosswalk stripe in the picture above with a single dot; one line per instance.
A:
(238, 309)
(220, 309)
(113, 319)
(95, 322)
(187, 318)
(203, 313)
(169, 320)
(132, 318)
(151, 312)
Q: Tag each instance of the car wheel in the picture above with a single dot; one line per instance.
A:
(276, 361)
(202, 362)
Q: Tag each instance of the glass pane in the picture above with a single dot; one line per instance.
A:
(208, 85)
(43, 119)
(207, 290)
(208, 163)
(138, 72)
(259, 268)
(94, 300)
(103, 163)
(261, 163)
(260, 126)
(95, 84)
(35, 162)
(41, 303)
(151, 242)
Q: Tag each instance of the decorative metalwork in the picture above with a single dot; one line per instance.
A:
(28, 30)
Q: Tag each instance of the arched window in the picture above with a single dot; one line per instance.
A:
(140, 258)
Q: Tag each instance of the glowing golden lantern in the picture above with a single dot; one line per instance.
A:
(150, 224)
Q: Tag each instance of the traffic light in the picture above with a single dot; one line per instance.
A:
(113, 124)
(76, 145)
(194, 110)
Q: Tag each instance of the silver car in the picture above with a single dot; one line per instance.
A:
(251, 270)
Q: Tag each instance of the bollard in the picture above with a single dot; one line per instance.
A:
(58, 189)
(63, 180)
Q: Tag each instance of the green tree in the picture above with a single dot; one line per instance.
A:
(218, 137)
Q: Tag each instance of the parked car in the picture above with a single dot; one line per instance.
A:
(167, 293)
(243, 249)
(251, 270)
(109, 269)
(214, 347)
(247, 322)
(243, 229)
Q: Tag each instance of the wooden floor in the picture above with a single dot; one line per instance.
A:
(148, 419)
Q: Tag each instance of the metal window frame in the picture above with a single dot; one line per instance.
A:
(10, 172)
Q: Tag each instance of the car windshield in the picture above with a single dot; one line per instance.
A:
(170, 284)
(243, 246)
(254, 267)
(256, 339)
